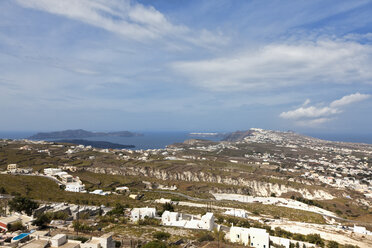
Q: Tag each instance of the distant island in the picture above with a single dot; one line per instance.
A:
(80, 133)
(96, 144)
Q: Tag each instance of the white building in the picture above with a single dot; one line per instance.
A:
(105, 241)
(237, 213)
(66, 178)
(281, 241)
(99, 192)
(206, 222)
(255, 237)
(12, 167)
(361, 230)
(75, 187)
(52, 171)
(140, 213)
(163, 201)
(123, 189)
(60, 240)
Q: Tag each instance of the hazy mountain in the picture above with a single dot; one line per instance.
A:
(80, 133)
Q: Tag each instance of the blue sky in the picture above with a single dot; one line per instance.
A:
(186, 65)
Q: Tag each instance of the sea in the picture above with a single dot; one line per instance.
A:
(149, 140)
(158, 140)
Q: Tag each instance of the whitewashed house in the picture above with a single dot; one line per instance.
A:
(75, 187)
(140, 213)
(286, 243)
(237, 213)
(105, 241)
(122, 189)
(206, 222)
(361, 230)
(52, 171)
(99, 192)
(255, 237)
(239, 235)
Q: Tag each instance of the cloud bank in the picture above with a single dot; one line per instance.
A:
(280, 65)
(314, 116)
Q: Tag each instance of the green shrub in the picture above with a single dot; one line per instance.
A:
(315, 239)
(161, 235)
(23, 204)
(42, 221)
(155, 244)
(332, 244)
(149, 222)
(205, 236)
(15, 226)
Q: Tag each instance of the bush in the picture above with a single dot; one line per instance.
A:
(205, 236)
(149, 221)
(80, 238)
(82, 227)
(332, 244)
(3, 190)
(351, 246)
(57, 215)
(167, 207)
(15, 226)
(161, 235)
(256, 212)
(155, 244)
(315, 239)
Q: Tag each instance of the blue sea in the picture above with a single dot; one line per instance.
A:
(150, 140)
(156, 140)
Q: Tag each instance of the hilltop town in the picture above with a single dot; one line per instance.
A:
(256, 188)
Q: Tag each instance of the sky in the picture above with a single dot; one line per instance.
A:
(192, 65)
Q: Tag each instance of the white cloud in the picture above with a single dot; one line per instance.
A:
(309, 112)
(131, 20)
(279, 65)
(307, 102)
(349, 99)
(313, 116)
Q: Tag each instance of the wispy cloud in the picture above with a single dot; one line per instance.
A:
(126, 18)
(314, 116)
(285, 64)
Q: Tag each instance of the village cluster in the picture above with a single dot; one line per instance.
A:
(32, 237)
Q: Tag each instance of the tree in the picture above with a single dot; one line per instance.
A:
(117, 211)
(205, 236)
(42, 221)
(168, 207)
(23, 204)
(15, 226)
